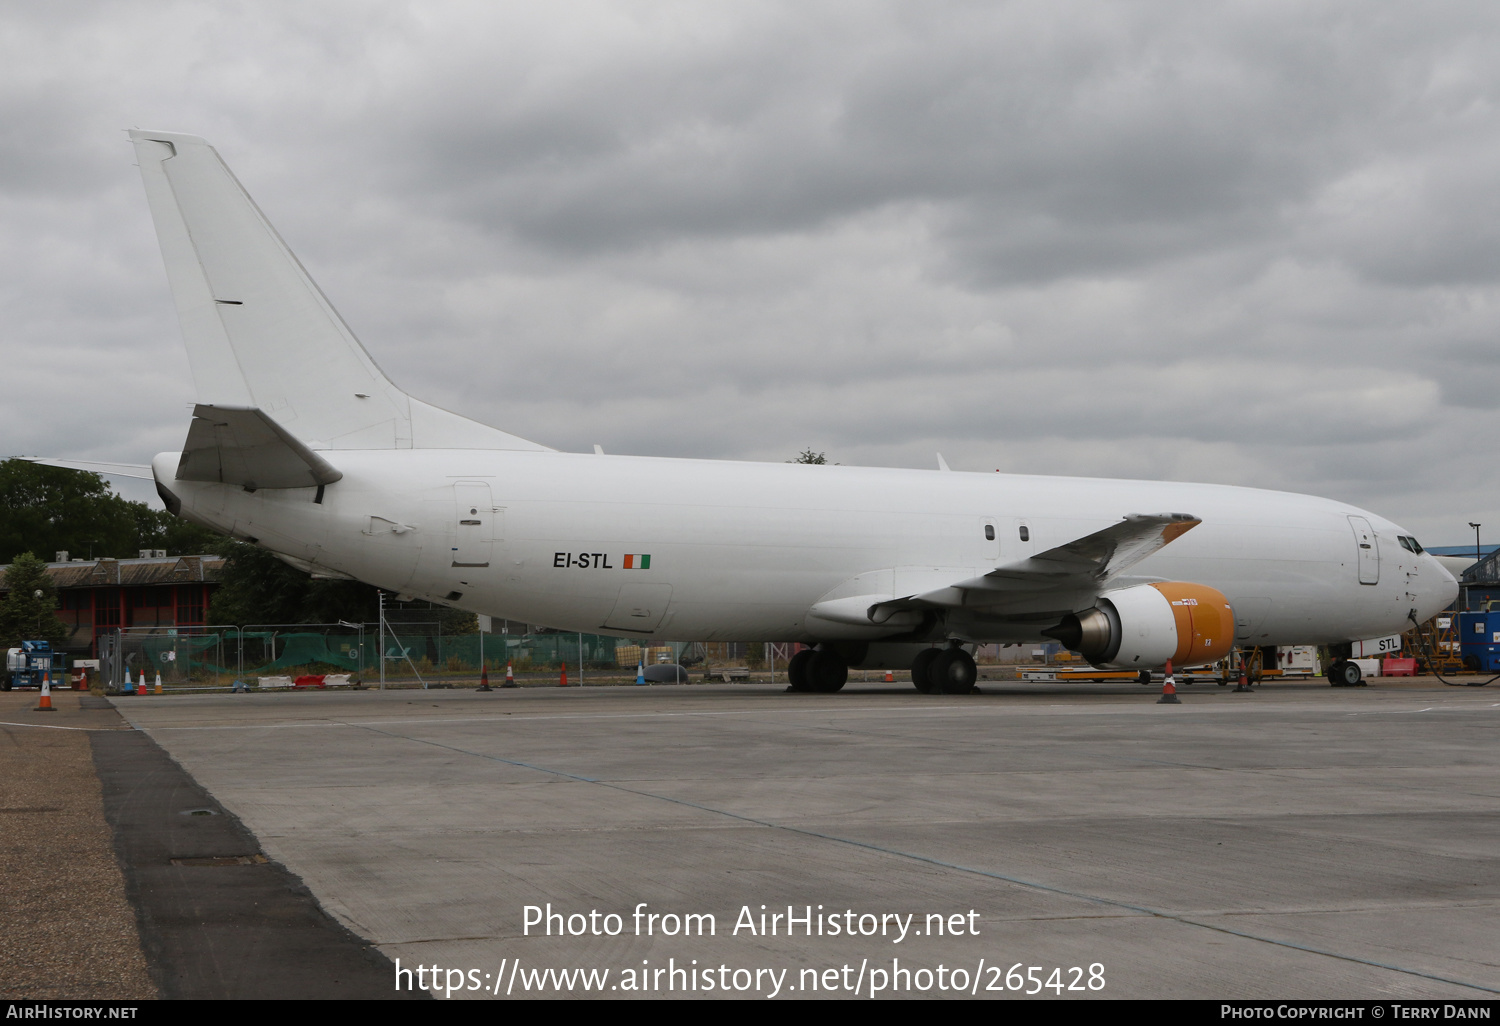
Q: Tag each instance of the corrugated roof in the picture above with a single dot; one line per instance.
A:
(130, 572)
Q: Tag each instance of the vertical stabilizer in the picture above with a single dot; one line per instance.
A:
(259, 332)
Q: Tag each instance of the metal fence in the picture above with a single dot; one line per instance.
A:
(215, 657)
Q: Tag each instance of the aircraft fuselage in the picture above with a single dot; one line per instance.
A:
(712, 550)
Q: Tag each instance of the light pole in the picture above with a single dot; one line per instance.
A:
(1477, 555)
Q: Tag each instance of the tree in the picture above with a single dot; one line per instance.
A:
(257, 588)
(27, 611)
(45, 509)
(808, 456)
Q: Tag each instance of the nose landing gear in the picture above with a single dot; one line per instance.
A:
(1344, 673)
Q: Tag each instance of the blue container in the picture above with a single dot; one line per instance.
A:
(1479, 640)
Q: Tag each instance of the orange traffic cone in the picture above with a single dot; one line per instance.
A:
(484, 677)
(83, 679)
(890, 677)
(46, 705)
(140, 686)
(158, 683)
(1169, 689)
(510, 677)
(564, 682)
(1244, 681)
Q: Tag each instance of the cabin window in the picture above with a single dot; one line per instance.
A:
(989, 532)
(1025, 533)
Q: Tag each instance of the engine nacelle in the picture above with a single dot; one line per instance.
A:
(1141, 628)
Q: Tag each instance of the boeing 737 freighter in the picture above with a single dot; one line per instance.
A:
(300, 444)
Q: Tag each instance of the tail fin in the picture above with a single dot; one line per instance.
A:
(259, 332)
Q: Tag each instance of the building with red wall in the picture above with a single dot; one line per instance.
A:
(98, 596)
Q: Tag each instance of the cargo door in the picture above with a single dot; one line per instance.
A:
(473, 535)
(1369, 553)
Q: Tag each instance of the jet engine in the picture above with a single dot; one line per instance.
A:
(1141, 628)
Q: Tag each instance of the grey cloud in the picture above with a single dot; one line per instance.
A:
(1247, 242)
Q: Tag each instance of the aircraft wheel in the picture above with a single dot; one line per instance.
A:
(796, 670)
(954, 672)
(921, 670)
(826, 673)
(1144, 677)
(1345, 674)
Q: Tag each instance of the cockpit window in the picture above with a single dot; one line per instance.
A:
(1405, 542)
(1416, 546)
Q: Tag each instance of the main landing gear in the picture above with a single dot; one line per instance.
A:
(935, 671)
(944, 671)
(818, 670)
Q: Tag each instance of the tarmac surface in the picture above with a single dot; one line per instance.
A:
(1299, 842)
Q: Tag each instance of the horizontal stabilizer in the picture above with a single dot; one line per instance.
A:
(242, 446)
(95, 466)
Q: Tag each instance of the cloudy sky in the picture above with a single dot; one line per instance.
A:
(1255, 243)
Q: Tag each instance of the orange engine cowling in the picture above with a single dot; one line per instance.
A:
(1141, 628)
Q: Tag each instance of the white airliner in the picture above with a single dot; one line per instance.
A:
(302, 445)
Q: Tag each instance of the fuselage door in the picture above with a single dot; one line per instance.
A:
(473, 534)
(1369, 553)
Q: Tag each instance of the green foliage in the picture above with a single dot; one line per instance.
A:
(257, 588)
(808, 456)
(44, 509)
(451, 621)
(27, 612)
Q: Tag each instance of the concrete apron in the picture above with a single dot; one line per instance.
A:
(216, 918)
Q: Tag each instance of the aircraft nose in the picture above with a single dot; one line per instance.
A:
(1437, 590)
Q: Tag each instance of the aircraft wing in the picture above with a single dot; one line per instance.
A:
(96, 466)
(1082, 564)
(242, 446)
(1094, 557)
